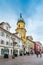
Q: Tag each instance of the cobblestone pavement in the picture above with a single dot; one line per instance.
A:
(22, 60)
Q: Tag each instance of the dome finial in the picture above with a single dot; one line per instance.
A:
(20, 15)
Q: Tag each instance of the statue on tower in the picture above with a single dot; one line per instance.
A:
(20, 15)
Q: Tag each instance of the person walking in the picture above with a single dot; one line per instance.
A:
(40, 53)
(37, 53)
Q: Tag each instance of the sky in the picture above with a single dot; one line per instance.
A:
(32, 13)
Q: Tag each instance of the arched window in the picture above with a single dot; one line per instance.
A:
(19, 25)
(2, 42)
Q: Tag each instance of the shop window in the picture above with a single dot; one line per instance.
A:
(6, 50)
(2, 51)
(11, 51)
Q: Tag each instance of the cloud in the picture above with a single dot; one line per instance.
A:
(34, 22)
(34, 28)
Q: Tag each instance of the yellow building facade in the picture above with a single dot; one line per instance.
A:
(30, 45)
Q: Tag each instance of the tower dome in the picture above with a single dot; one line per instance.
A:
(20, 19)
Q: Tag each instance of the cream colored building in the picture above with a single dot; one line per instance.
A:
(29, 44)
(8, 41)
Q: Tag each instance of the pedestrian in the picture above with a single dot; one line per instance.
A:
(37, 53)
(40, 53)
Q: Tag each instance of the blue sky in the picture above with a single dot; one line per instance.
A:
(32, 12)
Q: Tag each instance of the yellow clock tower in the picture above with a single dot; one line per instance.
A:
(21, 28)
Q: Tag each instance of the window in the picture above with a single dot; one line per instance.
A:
(7, 36)
(11, 44)
(7, 43)
(19, 25)
(11, 38)
(18, 45)
(2, 42)
(6, 27)
(2, 33)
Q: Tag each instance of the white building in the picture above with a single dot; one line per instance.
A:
(8, 41)
(17, 43)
